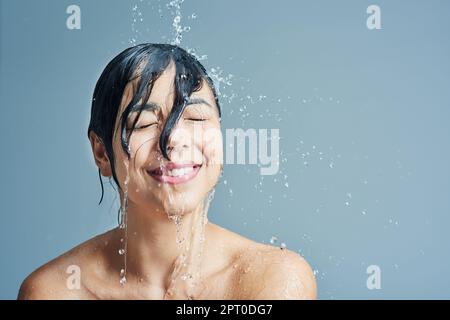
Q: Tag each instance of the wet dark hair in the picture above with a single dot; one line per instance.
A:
(144, 62)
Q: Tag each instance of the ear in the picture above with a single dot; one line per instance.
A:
(100, 156)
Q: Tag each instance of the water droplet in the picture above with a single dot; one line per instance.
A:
(186, 276)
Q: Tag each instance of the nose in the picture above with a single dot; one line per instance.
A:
(178, 141)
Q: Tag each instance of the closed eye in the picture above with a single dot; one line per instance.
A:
(144, 126)
(195, 119)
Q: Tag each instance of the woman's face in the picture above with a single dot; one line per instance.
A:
(194, 148)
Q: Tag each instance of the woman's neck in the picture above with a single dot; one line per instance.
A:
(160, 249)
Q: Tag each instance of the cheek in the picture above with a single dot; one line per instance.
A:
(120, 158)
(212, 146)
(142, 149)
(213, 156)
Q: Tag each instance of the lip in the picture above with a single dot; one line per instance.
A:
(161, 173)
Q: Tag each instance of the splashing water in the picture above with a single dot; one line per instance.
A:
(227, 88)
(178, 223)
(187, 266)
(220, 80)
(123, 225)
(175, 7)
(140, 30)
(206, 205)
(138, 19)
(196, 55)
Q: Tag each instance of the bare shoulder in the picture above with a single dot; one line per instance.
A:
(272, 273)
(45, 283)
(288, 276)
(61, 277)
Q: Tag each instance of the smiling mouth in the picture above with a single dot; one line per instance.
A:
(174, 173)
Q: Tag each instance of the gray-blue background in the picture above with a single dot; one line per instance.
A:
(363, 117)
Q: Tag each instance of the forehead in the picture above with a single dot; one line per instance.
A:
(163, 92)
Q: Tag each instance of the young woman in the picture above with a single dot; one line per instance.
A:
(155, 129)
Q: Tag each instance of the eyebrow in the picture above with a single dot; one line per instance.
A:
(151, 106)
(198, 101)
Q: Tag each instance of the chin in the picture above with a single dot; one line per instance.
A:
(182, 203)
